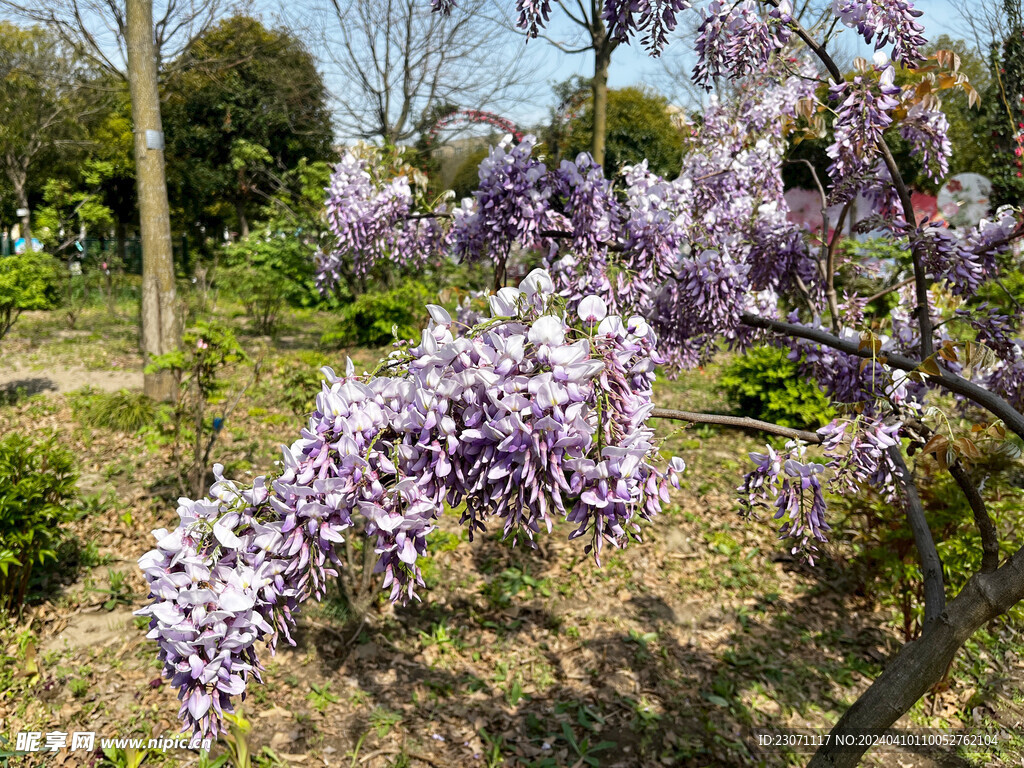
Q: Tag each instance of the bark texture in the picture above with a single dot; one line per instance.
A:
(599, 86)
(160, 329)
(922, 663)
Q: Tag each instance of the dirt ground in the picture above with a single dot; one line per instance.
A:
(678, 651)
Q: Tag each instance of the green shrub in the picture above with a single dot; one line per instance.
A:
(765, 384)
(267, 271)
(260, 291)
(374, 319)
(37, 486)
(285, 258)
(301, 378)
(123, 410)
(27, 281)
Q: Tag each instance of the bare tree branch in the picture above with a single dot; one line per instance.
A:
(740, 422)
(950, 381)
(96, 28)
(400, 63)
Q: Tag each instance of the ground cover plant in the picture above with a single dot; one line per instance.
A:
(680, 649)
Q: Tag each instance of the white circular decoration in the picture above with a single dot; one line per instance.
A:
(964, 199)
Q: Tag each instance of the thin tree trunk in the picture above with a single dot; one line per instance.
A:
(599, 88)
(243, 222)
(119, 251)
(922, 663)
(160, 331)
(19, 180)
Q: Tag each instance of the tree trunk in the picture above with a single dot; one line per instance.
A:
(19, 181)
(922, 663)
(160, 331)
(599, 88)
(119, 234)
(243, 222)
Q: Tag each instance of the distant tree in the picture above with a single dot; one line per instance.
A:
(404, 66)
(41, 106)
(142, 41)
(1004, 100)
(243, 105)
(639, 126)
(98, 29)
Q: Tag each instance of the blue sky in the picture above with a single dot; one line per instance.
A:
(631, 66)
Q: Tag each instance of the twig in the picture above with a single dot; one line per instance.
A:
(890, 289)
(950, 381)
(989, 534)
(414, 755)
(740, 422)
(830, 268)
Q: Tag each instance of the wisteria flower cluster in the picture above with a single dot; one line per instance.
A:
(530, 415)
(788, 482)
(856, 454)
(886, 22)
(735, 40)
(370, 218)
(652, 20)
(863, 114)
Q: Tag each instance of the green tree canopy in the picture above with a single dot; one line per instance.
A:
(44, 110)
(639, 126)
(243, 105)
(1004, 108)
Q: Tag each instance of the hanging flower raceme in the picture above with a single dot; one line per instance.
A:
(527, 416)
(511, 205)
(735, 40)
(788, 482)
(651, 20)
(858, 454)
(886, 22)
(861, 118)
(927, 130)
(370, 219)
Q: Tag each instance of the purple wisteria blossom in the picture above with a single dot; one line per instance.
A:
(370, 220)
(527, 416)
(927, 130)
(735, 40)
(858, 455)
(861, 118)
(786, 481)
(511, 205)
(886, 22)
(651, 20)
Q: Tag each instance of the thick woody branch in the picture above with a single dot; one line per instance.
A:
(931, 565)
(990, 401)
(982, 520)
(922, 663)
(739, 422)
